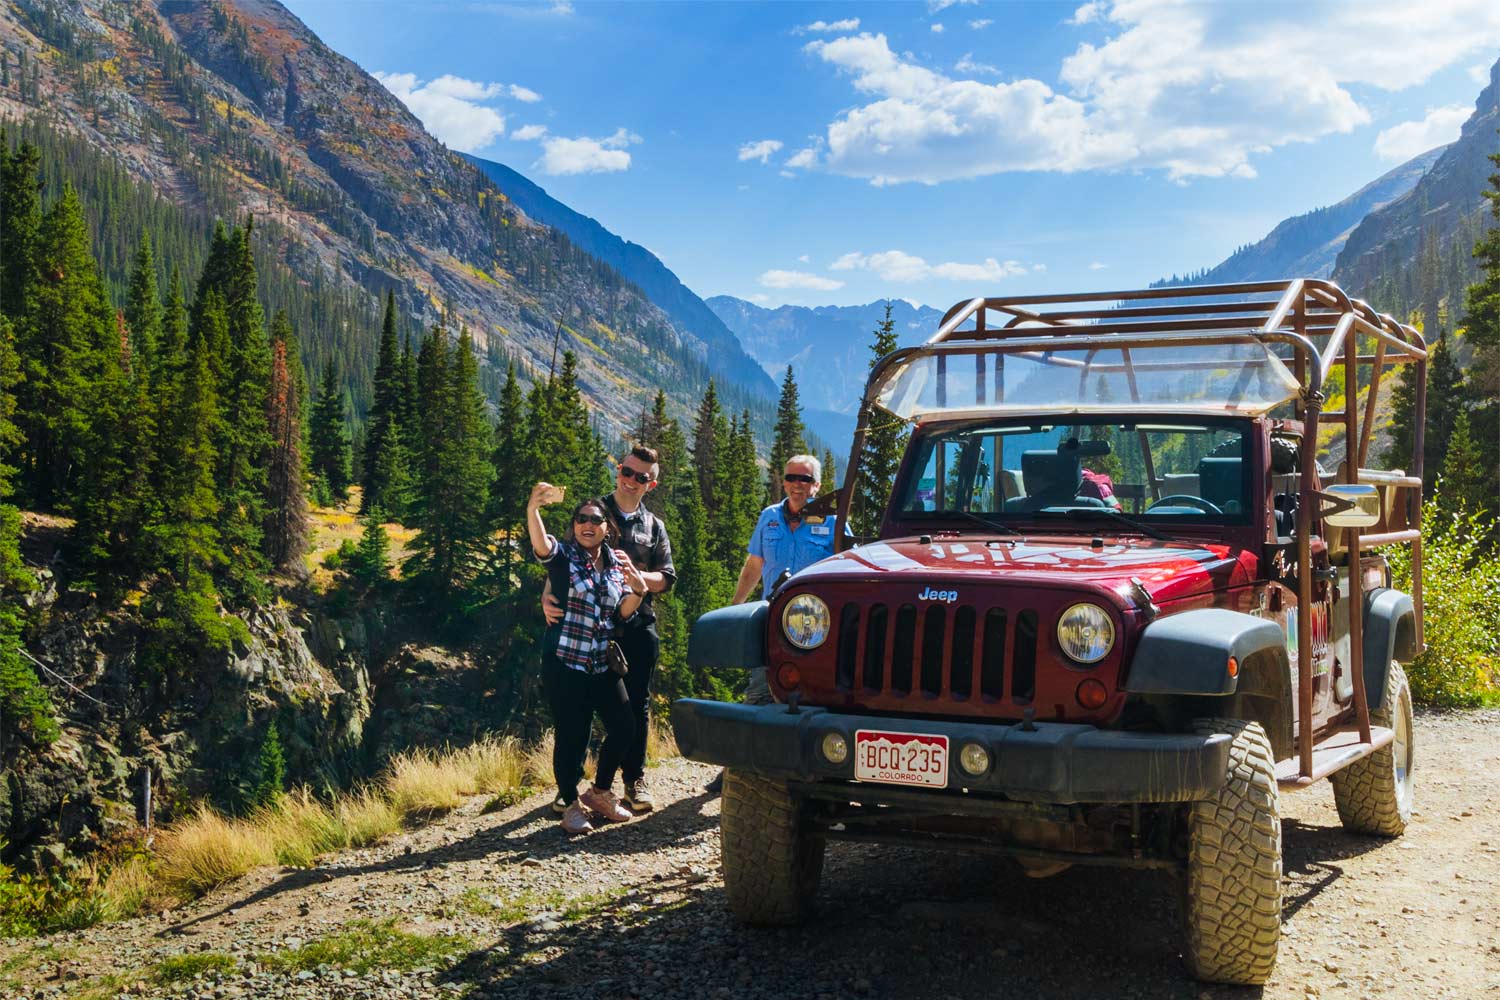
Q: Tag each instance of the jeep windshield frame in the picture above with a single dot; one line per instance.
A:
(1307, 328)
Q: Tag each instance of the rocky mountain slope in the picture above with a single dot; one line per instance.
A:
(236, 105)
(1307, 245)
(1445, 202)
(828, 347)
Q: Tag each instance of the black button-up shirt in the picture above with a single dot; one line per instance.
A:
(643, 536)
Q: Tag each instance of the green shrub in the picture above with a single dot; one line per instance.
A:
(340, 556)
(1461, 608)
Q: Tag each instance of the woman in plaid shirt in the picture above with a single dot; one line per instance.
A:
(603, 588)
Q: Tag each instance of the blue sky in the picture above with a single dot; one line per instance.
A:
(826, 154)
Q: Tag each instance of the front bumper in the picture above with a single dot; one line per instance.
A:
(1054, 762)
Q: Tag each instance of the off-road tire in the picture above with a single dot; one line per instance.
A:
(1370, 797)
(1231, 906)
(771, 864)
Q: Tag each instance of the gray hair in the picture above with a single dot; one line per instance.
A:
(811, 460)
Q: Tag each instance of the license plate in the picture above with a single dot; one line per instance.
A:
(901, 758)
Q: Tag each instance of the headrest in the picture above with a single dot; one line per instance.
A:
(1220, 479)
(1051, 473)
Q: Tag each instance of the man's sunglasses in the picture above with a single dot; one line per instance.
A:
(588, 518)
(797, 477)
(641, 477)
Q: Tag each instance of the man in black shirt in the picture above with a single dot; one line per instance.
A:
(643, 536)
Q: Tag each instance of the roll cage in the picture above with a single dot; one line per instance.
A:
(1310, 323)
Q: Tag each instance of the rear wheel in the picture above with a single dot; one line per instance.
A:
(772, 865)
(1374, 794)
(1232, 901)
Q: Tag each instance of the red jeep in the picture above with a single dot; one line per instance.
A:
(1115, 606)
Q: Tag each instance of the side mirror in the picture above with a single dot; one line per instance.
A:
(1356, 505)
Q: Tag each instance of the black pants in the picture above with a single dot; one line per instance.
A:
(641, 647)
(575, 697)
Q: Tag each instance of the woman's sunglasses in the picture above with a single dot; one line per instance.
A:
(797, 477)
(588, 519)
(641, 477)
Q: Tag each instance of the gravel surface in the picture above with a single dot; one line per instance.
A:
(638, 910)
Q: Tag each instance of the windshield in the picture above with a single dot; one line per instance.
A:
(1243, 378)
(1190, 471)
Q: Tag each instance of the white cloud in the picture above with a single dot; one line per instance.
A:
(1036, 268)
(933, 6)
(799, 279)
(1192, 89)
(897, 265)
(1402, 142)
(1089, 13)
(449, 107)
(802, 259)
(848, 24)
(524, 94)
(761, 150)
(587, 156)
(760, 297)
(966, 64)
(526, 133)
(802, 159)
(1479, 73)
(938, 29)
(1097, 266)
(980, 23)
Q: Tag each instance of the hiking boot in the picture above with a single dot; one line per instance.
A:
(605, 804)
(576, 819)
(559, 804)
(716, 786)
(637, 796)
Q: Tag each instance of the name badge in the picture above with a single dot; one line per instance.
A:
(821, 529)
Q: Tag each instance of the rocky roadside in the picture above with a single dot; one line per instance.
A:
(502, 905)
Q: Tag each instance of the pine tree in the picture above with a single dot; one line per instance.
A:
(286, 515)
(743, 496)
(371, 564)
(20, 227)
(384, 424)
(710, 440)
(513, 465)
(143, 313)
(270, 767)
(329, 435)
(113, 465)
(1482, 299)
(1445, 399)
(1466, 483)
(24, 703)
(451, 526)
(65, 346)
(830, 471)
(885, 443)
(671, 452)
(1400, 450)
(789, 437)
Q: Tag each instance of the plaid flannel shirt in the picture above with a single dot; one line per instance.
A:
(589, 611)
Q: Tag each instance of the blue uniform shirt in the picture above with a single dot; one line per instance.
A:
(782, 548)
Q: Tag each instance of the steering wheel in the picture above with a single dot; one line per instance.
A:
(1189, 500)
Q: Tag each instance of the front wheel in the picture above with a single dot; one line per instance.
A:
(1232, 900)
(1374, 794)
(772, 865)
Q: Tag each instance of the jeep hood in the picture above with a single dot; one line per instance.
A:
(1168, 569)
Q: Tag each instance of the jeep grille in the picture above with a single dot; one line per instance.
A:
(938, 651)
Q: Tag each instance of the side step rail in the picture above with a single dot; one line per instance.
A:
(1337, 750)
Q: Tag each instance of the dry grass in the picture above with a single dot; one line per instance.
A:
(207, 849)
(661, 744)
(330, 527)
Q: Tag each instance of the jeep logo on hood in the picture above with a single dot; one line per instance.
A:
(946, 596)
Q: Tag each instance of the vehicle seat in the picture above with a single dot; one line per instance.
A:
(1220, 480)
(1051, 479)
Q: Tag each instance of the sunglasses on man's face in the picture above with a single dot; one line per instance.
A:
(641, 477)
(595, 519)
(797, 477)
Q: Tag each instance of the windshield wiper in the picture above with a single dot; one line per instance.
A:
(987, 522)
(1087, 513)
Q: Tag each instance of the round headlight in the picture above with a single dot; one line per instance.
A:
(974, 759)
(835, 748)
(805, 621)
(1086, 633)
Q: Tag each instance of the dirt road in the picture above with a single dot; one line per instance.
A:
(638, 911)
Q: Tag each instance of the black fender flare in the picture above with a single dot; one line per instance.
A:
(732, 637)
(1188, 653)
(1390, 633)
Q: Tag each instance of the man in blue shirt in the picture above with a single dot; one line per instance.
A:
(784, 540)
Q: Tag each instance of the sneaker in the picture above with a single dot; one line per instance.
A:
(605, 804)
(637, 797)
(716, 786)
(559, 804)
(576, 819)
